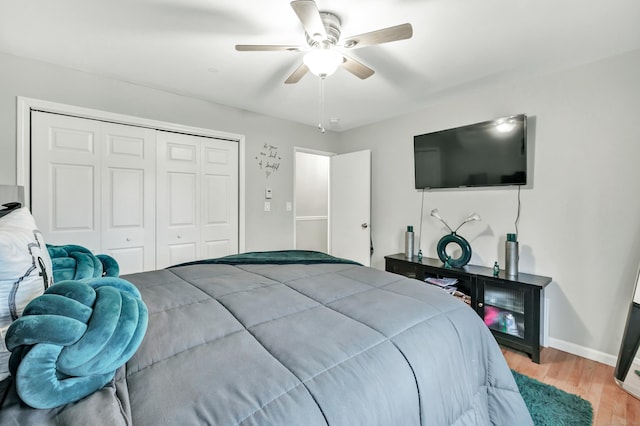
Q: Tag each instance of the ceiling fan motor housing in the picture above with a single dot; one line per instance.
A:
(332, 26)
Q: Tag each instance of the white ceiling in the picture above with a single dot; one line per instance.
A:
(188, 47)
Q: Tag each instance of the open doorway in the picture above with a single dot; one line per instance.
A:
(332, 203)
(311, 200)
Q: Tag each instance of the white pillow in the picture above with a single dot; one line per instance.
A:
(25, 271)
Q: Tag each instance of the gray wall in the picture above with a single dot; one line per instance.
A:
(264, 230)
(580, 219)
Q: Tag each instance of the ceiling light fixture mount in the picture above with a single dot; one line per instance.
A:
(332, 28)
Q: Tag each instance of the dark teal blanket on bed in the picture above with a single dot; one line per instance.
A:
(282, 257)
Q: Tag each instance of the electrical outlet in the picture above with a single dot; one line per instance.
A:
(289, 206)
(268, 193)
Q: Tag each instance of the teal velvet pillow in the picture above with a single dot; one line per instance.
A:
(73, 262)
(71, 340)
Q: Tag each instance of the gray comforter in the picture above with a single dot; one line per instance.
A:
(319, 344)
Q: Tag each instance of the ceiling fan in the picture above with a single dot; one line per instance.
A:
(323, 30)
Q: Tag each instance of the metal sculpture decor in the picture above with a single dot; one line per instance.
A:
(454, 238)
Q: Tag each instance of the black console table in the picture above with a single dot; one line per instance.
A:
(510, 306)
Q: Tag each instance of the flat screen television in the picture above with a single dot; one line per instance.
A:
(482, 154)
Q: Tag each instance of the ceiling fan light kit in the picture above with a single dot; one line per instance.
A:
(323, 62)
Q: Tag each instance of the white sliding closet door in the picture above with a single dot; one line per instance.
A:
(93, 184)
(197, 196)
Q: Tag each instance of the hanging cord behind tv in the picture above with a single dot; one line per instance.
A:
(421, 214)
(518, 212)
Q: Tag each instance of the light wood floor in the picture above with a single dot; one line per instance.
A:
(590, 380)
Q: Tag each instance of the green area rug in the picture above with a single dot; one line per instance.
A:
(550, 406)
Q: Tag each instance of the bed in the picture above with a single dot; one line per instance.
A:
(298, 338)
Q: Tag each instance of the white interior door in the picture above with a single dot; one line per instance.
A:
(66, 179)
(219, 198)
(178, 209)
(93, 184)
(197, 187)
(350, 206)
(128, 196)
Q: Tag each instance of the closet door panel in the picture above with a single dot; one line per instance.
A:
(72, 210)
(128, 196)
(180, 253)
(198, 191)
(220, 197)
(216, 192)
(123, 221)
(183, 228)
(66, 179)
(183, 200)
(216, 216)
(125, 198)
(178, 211)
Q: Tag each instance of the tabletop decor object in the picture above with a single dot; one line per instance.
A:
(511, 255)
(454, 238)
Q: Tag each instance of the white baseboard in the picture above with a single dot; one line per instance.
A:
(582, 351)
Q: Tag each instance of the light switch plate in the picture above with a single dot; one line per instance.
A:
(267, 206)
(289, 206)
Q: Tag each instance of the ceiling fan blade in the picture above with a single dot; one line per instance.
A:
(297, 74)
(266, 48)
(356, 68)
(385, 35)
(309, 15)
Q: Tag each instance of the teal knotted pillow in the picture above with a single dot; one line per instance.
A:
(73, 262)
(71, 340)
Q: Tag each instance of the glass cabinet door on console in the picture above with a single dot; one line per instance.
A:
(511, 311)
(503, 309)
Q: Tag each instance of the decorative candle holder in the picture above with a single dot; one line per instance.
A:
(511, 255)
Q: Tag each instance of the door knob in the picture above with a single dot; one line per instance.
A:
(364, 226)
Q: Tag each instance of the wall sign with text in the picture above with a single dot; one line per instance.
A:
(268, 159)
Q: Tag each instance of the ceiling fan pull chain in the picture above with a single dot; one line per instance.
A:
(321, 106)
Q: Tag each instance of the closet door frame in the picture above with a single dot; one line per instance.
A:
(23, 149)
